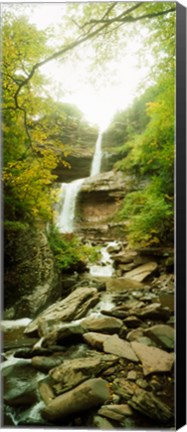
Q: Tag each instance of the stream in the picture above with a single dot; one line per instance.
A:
(102, 357)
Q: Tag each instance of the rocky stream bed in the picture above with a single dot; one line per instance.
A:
(102, 356)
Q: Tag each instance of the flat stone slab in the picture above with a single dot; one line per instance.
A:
(102, 324)
(141, 272)
(111, 344)
(123, 284)
(162, 334)
(73, 307)
(115, 411)
(153, 359)
(115, 345)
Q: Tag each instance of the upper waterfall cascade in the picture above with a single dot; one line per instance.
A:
(69, 192)
(96, 163)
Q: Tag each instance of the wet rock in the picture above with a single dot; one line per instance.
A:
(153, 359)
(151, 406)
(115, 345)
(91, 393)
(73, 307)
(20, 385)
(72, 372)
(44, 364)
(27, 353)
(162, 334)
(102, 324)
(123, 284)
(101, 423)
(115, 411)
(141, 272)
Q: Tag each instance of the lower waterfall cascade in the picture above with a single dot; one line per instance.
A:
(69, 192)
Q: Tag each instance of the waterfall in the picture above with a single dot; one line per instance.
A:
(96, 163)
(69, 192)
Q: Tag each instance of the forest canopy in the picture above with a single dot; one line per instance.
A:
(38, 130)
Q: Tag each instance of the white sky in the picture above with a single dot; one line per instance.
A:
(70, 81)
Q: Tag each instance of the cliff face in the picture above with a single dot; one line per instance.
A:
(30, 278)
(97, 203)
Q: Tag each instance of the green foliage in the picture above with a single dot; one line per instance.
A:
(150, 216)
(69, 252)
(15, 225)
(38, 132)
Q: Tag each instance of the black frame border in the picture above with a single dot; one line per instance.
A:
(180, 242)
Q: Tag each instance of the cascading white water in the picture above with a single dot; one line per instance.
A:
(65, 220)
(69, 192)
(96, 163)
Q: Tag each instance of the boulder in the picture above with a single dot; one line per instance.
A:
(123, 284)
(73, 307)
(153, 359)
(141, 272)
(33, 281)
(162, 334)
(91, 393)
(102, 324)
(72, 372)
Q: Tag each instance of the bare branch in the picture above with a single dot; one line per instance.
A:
(123, 18)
